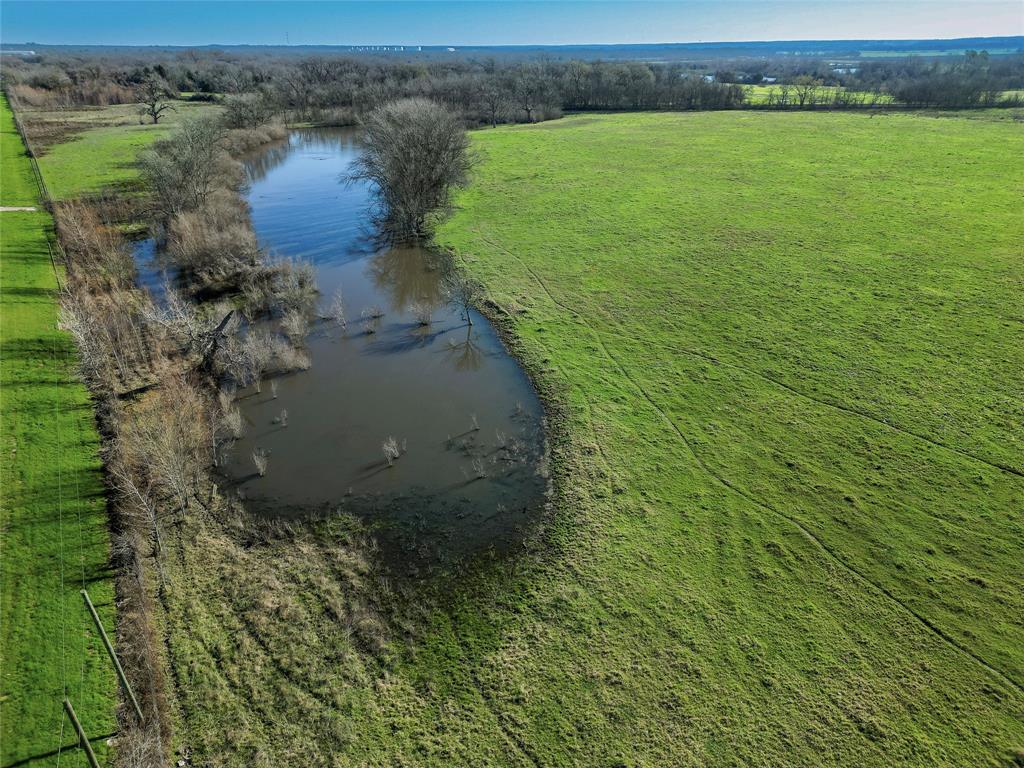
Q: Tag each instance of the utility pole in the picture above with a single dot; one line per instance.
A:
(113, 656)
(82, 740)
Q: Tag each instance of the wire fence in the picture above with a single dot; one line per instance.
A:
(44, 192)
(67, 567)
(61, 363)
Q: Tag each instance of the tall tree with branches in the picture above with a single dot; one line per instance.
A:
(153, 94)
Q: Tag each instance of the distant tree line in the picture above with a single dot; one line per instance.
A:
(491, 91)
(973, 80)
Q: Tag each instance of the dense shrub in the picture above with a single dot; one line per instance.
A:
(415, 153)
(243, 140)
(213, 243)
(250, 110)
(102, 259)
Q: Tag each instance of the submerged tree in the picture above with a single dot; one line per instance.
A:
(416, 152)
(460, 288)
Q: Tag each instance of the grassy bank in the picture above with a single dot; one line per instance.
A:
(52, 518)
(788, 347)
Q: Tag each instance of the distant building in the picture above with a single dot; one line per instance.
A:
(769, 79)
(5, 52)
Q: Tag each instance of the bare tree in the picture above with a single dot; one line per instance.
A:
(295, 326)
(576, 74)
(166, 438)
(225, 427)
(806, 89)
(390, 450)
(335, 311)
(138, 501)
(182, 170)
(494, 101)
(532, 91)
(416, 152)
(250, 110)
(461, 288)
(198, 332)
(152, 94)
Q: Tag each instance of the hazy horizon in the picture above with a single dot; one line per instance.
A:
(486, 23)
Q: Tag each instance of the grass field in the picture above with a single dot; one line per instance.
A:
(88, 149)
(53, 524)
(758, 94)
(788, 349)
(782, 353)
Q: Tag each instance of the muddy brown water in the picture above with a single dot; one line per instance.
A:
(466, 418)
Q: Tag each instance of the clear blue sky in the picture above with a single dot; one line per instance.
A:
(482, 22)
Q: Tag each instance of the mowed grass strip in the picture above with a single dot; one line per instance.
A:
(788, 351)
(53, 523)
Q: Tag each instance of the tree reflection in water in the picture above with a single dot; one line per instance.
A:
(408, 275)
(465, 355)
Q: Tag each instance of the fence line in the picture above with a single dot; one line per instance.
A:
(47, 203)
(44, 192)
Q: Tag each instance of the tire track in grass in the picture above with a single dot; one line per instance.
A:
(830, 403)
(850, 410)
(586, 400)
(828, 551)
(511, 737)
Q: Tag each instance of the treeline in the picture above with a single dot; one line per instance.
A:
(489, 91)
(973, 80)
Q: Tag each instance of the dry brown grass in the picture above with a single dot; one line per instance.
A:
(242, 140)
(106, 316)
(101, 307)
(216, 243)
(102, 258)
(89, 93)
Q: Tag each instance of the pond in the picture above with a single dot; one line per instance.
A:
(464, 416)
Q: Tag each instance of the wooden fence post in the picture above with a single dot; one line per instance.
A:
(113, 656)
(83, 741)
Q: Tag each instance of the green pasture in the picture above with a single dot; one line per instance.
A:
(930, 53)
(758, 95)
(786, 353)
(53, 523)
